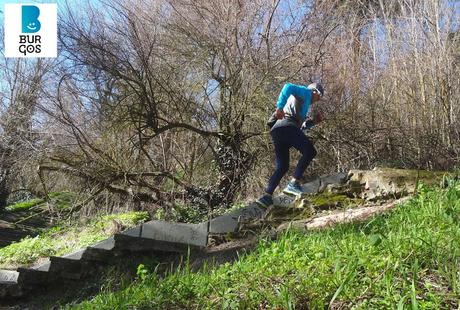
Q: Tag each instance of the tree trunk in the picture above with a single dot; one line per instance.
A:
(4, 190)
(234, 165)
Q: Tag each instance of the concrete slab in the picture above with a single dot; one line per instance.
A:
(312, 187)
(191, 234)
(43, 267)
(10, 290)
(77, 255)
(8, 276)
(133, 232)
(229, 222)
(136, 244)
(339, 178)
(98, 255)
(29, 276)
(107, 244)
(59, 263)
(88, 254)
(252, 211)
(283, 200)
(66, 267)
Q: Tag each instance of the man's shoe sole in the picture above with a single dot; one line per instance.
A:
(263, 205)
(297, 194)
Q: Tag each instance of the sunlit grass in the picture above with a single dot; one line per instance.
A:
(408, 258)
(25, 205)
(60, 200)
(61, 240)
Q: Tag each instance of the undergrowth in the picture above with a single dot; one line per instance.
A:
(407, 258)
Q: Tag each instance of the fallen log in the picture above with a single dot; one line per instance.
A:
(347, 216)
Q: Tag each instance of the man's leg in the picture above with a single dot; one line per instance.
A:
(282, 160)
(306, 148)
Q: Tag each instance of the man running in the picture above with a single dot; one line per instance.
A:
(292, 108)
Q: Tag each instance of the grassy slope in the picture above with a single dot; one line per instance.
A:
(409, 258)
(61, 240)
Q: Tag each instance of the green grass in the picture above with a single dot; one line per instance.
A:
(408, 258)
(25, 205)
(60, 200)
(61, 240)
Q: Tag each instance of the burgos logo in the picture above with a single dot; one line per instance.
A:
(31, 30)
(30, 22)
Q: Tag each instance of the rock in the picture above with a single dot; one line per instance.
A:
(113, 227)
(387, 182)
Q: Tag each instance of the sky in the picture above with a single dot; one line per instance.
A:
(60, 3)
(453, 3)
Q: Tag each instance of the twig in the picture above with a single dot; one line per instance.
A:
(29, 217)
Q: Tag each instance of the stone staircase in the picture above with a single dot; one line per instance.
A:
(160, 237)
(153, 236)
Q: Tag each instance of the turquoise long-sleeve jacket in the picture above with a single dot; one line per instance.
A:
(295, 101)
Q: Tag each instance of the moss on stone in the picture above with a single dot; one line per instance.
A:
(326, 200)
(277, 214)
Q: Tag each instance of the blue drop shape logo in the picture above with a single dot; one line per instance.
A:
(30, 22)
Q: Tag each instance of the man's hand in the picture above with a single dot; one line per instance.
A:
(279, 113)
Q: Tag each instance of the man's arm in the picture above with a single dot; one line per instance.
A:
(312, 121)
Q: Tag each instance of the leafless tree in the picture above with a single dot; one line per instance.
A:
(165, 101)
(23, 82)
(141, 82)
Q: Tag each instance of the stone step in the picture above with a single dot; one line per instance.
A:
(9, 284)
(98, 254)
(44, 266)
(75, 265)
(10, 290)
(104, 250)
(312, 187)
(339, 178)
(134, 231)
(136, 244)
(70, 266)
(230, 222)
(67, 267)
(31, 276)
(181, 233)
(8, 276)
(283, 200)
(93, 253)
